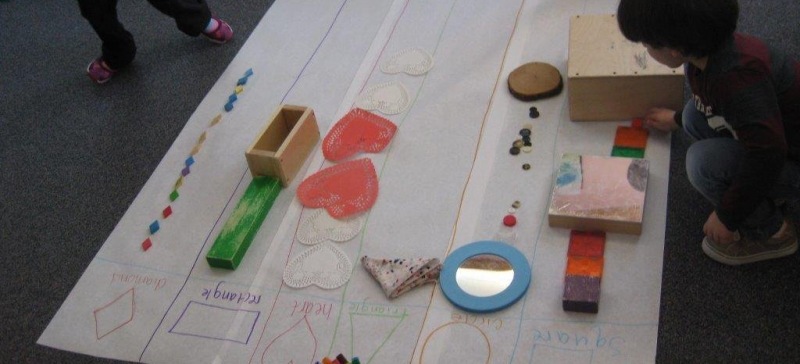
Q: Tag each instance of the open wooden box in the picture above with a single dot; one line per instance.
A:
(284, 144)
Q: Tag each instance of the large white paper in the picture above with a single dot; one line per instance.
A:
(446, 180)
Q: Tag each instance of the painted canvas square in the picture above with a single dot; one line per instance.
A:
(599, 193)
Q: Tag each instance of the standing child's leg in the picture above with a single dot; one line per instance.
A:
(118, 45)
(193, 17)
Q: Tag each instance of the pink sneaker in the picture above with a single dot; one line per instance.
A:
(222, 34)
(99, 72)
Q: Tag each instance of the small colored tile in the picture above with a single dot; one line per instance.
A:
(627, 152)
(215, 120)
(167, 211)
(146, 244)
(189, 161)
(228, 106)
(631, 137)
(196, 149)
(154, 227)
(173, 196)
(242, 81)
(232, 98)
(585, 266)
(185, 172)
(248, 73)
(179, 182)
(581, 294)
(239, 89)
(586, 244)
(202, 138)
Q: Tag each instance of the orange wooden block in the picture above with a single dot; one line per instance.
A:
(585, 266)
(586, 243)
(631, 137)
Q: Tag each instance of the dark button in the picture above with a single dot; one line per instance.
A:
(514, 150)
(534, 113)
(526, 166)
(525, 133)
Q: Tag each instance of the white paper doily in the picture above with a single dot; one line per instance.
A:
(389, 98)
(320, 226)
(414, 61)
(323, 265)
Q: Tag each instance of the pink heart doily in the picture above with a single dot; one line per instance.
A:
(343, 190)
(359, 130)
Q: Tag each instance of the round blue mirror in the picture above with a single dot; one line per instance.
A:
(485, 276)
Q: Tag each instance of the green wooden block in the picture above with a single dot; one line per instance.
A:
(627, 152)
(238, 232)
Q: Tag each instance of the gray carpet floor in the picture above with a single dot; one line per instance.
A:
(73, 156)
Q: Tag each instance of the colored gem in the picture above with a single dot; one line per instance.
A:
(189, 161)
(241, 81)
(232, 98)
(509, 220)
(185, 171)
(146, 244)
(229, 106)
(154, 227)
(173, 196)
(167, 211)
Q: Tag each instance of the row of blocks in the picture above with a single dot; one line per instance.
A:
(630, 141)
(584, 271)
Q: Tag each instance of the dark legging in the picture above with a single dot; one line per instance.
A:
(119, 49)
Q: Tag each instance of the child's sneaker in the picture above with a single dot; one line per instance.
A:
(222, 34)
(745, 250)
(99, 71)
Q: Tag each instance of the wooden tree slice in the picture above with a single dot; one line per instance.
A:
(535, 80)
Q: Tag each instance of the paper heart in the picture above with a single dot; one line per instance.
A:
(343, 190)
(388, 97)
(359, 130)
(322, 265)
(413, 61)
(320, 226)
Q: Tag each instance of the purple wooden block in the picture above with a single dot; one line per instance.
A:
(581, 294)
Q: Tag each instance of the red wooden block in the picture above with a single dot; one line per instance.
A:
(630, 137)
(586, 243)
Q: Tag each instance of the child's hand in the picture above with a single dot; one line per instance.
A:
(660, 119)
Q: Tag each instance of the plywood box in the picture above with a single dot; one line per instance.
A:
(611, 78)
(284, 144)
(594, 193)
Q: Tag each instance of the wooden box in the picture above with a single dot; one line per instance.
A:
(284, 144)
(611, 78)
(594, 193)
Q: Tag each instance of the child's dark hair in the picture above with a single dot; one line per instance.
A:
(694, 27)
